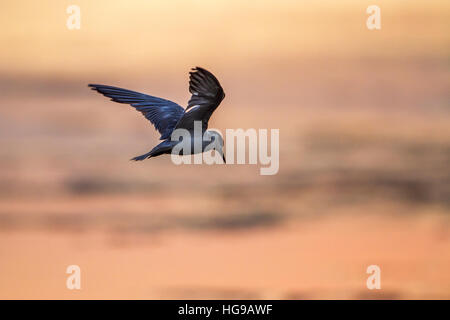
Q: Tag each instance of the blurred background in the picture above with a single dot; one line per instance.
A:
(364, 120)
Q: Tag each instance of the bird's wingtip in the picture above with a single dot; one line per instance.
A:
(197, 68)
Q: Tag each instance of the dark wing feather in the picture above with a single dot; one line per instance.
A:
(206, 97)
(162, 113)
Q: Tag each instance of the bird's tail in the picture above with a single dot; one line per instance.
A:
(162, 148)
(142, 157)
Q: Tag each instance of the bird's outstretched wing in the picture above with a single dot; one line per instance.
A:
(206, 97)
(162, 113)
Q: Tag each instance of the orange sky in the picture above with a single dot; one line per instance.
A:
(128, 37)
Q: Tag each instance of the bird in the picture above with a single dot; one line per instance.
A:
(167, 116)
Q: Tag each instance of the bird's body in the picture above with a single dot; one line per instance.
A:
(167, 116)
(204, 143)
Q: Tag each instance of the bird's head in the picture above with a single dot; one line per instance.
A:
(214, 142)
